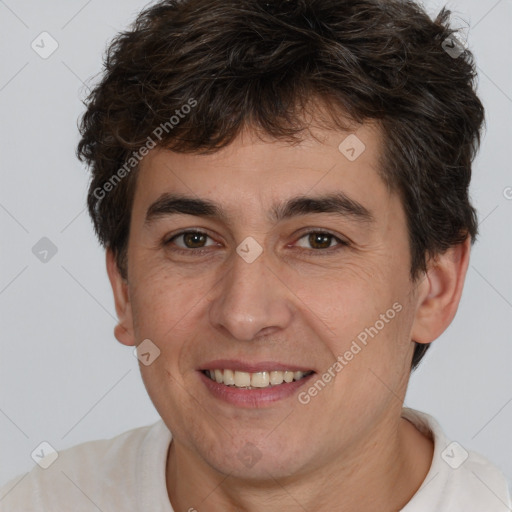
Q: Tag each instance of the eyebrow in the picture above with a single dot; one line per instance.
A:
(337, 203)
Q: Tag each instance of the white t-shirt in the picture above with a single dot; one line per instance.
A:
(127, 474)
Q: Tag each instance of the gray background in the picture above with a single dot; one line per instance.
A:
(63, 376)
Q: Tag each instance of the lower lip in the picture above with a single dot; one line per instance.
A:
(253, 398)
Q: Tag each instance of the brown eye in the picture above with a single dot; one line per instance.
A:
(189, 240)
(194, 240)
(318, 240)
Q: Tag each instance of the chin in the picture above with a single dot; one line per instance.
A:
(247, 461)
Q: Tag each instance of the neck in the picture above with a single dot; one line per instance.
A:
(379, 473)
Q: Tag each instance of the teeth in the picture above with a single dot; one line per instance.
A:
(242, 379)
(260, 380)
(229, 377)
(288, 376)
(276, 378)
(254, 380)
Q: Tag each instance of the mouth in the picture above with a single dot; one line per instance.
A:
(256, 380)
(253, 384)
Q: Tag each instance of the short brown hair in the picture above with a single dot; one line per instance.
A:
(257, 63)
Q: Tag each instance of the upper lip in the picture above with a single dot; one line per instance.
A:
(253, 367)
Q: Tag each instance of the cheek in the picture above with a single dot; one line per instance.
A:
(157, 315)
(163, 312)
(159, 300)
(369, 322)
(169, 310)
(348, 298)
(377, 374)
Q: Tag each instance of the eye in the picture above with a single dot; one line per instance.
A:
(193, 241)
(319, 240)
(189, 240)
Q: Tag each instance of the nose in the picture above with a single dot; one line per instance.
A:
(251, 300)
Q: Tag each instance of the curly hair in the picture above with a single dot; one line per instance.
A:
(218, 66)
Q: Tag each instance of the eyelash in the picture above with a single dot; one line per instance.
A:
(317, 252)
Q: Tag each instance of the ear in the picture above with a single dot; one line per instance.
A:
(124, 329)
(439, 293)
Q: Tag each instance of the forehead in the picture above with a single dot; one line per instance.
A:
(251, 172)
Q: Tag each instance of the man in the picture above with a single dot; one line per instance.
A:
(283, 199)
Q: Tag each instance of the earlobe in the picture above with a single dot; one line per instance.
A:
(124, 329)
(439, 293)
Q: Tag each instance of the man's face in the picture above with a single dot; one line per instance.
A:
(213, 301)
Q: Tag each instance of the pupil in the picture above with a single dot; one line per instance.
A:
(317, 238)
(193, 238)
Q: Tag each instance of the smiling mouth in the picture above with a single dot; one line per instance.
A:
(257, 380)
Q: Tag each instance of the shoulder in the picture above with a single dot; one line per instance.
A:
(88, 475)
(459, 478)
